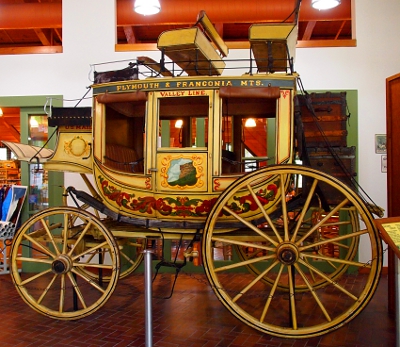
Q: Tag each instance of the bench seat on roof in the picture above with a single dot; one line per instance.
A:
(191, 51)
(273, 45)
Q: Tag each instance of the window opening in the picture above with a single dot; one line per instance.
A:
(248, 134)
(124, 136)
(38, 196)
(183, 122)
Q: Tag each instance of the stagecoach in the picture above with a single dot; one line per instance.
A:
(167, 153)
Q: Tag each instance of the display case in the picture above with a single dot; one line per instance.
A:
(10, 172)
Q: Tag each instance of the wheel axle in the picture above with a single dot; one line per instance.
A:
(287, 253)
(61, 265)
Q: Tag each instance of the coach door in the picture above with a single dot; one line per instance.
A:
(183, 137)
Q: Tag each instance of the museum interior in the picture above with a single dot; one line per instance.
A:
(193, 187)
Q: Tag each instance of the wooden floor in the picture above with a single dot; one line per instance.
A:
(193, 317)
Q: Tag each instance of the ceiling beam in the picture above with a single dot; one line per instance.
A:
(10, 40)
(129, 34)
(31, 50)
(44, 36)
(31, 15)
(309, 30)
(326, 43)
(58, 33)
(12, 131)
(340, 30)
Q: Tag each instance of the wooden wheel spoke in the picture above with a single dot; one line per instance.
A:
(271, 294)
(62, 294)
(333, 239)
(82, 234)
(252, 254)
(322, 221)
(328, 279)
(34, 277)
(77, 290)
(314, 294)
(89, 280)
(243, 243)
(45, 291)
(89, 250)
(244, 263)
(90, 257)
(304, 210)
(311, 272)
(284, 208)
(338, 223)
(94, 265)
(41, 231)
(331, 264)
(68, 223)
(35, 260)
(40, 246)
(265, 214)
(122, 254)
(250, 226)
(50, 235)
(135, 244)
(254, 281)
(341, 245)
(336, 260)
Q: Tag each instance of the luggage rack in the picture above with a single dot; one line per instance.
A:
(200, 51)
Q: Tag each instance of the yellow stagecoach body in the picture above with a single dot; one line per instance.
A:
(177, 173)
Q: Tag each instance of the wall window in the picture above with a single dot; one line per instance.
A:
(38, 196)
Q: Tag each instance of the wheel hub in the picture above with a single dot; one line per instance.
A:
(62, 264)
(287, 253)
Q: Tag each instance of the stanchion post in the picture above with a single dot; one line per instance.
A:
(147, 297)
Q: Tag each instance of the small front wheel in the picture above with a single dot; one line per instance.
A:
(54, 249)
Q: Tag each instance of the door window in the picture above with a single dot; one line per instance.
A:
(183, 122)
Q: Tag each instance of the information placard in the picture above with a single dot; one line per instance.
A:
(390, 231)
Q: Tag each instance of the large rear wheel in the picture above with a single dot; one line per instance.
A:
(297, 273)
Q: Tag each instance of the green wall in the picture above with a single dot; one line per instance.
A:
(34, 105)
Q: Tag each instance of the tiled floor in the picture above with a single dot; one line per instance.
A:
(193, 317)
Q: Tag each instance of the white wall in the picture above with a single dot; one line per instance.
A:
(89, 38)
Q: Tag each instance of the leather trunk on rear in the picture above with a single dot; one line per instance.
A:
(324, 119)
(341, 165)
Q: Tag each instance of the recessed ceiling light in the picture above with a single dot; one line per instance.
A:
(147, 7)
(324, 4)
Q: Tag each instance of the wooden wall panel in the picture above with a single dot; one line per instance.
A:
(393, 143)
(393, 171)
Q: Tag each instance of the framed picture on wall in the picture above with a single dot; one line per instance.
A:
(380, 144)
